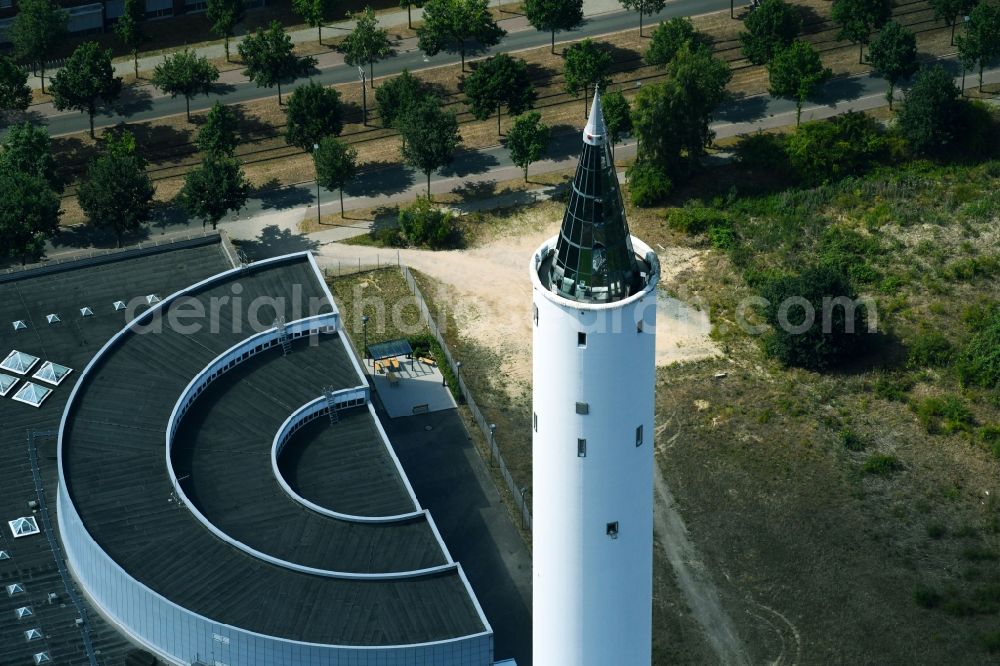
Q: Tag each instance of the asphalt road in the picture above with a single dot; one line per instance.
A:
(145, 103)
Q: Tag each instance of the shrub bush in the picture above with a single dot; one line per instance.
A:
(980, 131)
(979, 362)
(827, 150)
(927, 597)
(424, 225)
(929, 349)
(851, 440)
(764, 152)
(696, 219)
(831, 338)
(648, 184)
(944, 415)
(882, 464)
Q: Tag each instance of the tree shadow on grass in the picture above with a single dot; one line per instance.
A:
(251, 128)
(163, 143)
(72, 155)
(622, 58)
(812, 22)
(381, 178)
(274, 241)
(476, 190)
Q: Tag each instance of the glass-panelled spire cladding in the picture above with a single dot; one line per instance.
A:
(594, 258)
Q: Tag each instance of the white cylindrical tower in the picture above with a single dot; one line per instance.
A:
(594, 315)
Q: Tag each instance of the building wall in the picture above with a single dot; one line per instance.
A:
(592, 592)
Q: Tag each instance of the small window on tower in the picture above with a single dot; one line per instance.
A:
(582, 408)
(638, 436)
(534, 307)
(581, 339)
(534, 421)
(612, 530)
(581, 448)
(638, 326)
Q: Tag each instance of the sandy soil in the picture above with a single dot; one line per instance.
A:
(489, 293)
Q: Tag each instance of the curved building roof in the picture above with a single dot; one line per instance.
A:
(116, 474)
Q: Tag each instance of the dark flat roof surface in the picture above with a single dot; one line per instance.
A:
(122, 494)
(223, 446)
(345, 468)
(30, 296)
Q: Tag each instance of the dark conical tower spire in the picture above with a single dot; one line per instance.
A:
(594, 259)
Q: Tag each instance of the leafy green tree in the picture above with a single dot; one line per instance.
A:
(367, 43)
(15, 95)
(270, 57)
(643, 7)
(554, 15)
(685, 102)
(117, 193)
(397, 95)
(496, 82)
(315, 13)
(527, 140)
(823, 341)
(586, 67)
(128, 28)
(29, 215)
(893, 54)
(214, 188)
(949, 11)
(85, 80)
(185, 73)
(449, 24)
(927, 118)
(430, 137)
(38, 28)
(981, 43)
(827, 150)
(336, 165)
(218, 134)
(313, 112)
(797, 73)
(858, 19)
(409, 5)
(27, 149)
(424, 225)
(771, 27)
(617, 116)
(225, 15)
(668, 38)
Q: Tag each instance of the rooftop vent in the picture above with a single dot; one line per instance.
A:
(7, 382)
(23, 612)
(118, 306)
(52, 373)
(23, 526)
(86, 312)
(15, 589)
(4, 555)
(19, 325)
(52, 318)
(32, 394)
(33, 634)
(42, 658)
(152, 298)
(18, 362)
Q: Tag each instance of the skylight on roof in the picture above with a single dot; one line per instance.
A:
(4, 555)
(52, 373)
(23, 612)
(42, 658)
(19, 325)
(52, 318)
(33, 634)
(14, 589)
(23, 526)
(118, 305)
(152, 298)
(18, 362)
(86, 312)
(32, 394)
(7, 382)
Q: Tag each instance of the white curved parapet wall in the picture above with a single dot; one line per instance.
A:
(592, 397)
(180, 636)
